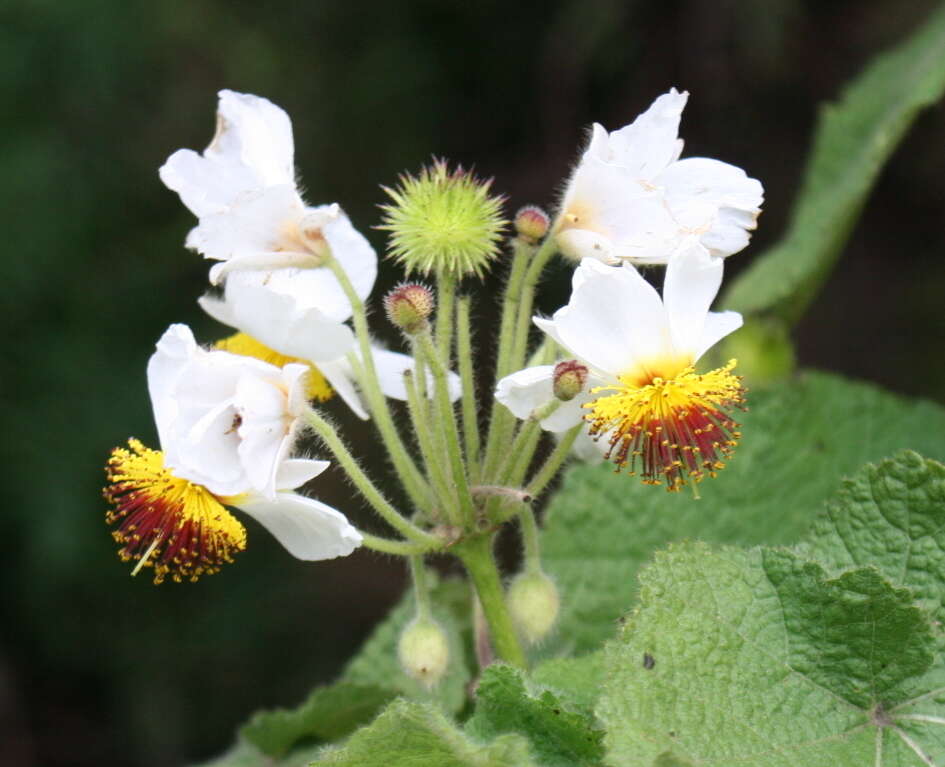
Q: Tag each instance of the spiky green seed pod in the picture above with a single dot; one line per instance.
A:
(533, 602)
(443, 221)
(424, 651)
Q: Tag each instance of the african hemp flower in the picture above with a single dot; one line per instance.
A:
(632, 199)
(650, 412)
(227, 425)
(251, 215)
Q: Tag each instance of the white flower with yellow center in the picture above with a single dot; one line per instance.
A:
(227, 425)
(251, 215)
(651, 413)
(632, 199)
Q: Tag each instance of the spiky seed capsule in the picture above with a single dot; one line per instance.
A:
(568, 380)
(409, 306)
(443, 221)
(532, 223)
(533, 602)
(424, 651)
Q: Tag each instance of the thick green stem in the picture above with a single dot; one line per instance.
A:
(445, 294)
(466, 374)
(447, 424)
(476, 555)
(407, 471)
(432, 458)
(379, 503)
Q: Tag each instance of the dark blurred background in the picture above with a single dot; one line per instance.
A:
(99, 668)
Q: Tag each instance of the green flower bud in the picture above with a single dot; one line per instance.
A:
(443, 220)
(424, 651)
(568, 380)
(533, 602)
(408, 306)
(532, 223)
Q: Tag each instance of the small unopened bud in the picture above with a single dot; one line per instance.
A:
(424, 651)
(408, 306)
(533, 602)
(532, 223)
(568, 380)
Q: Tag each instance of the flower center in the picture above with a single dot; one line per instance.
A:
(316, 385)
(671, 430)
(170, 524)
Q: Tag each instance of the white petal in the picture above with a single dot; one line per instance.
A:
(567, 414)
(295, 472)
(254, 223)
(205, 186)
(308, 529)
(587, 449)
(700, 183)
(263, 430)
(284, 322)
(523, 391)
(259, 133)
(717, 326)
(650, 143)
(692, 281)
(390, 367)
(356, 256)
(173, 350)
(614, 321)
(339, 374)
(549, 328)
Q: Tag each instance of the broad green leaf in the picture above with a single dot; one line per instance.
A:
(411, 734)
(329, 713)
(245, 754)
(579, 679)
(890, 516)
(853, 140)
(560, 736)
(760, 657)
(376, 663)
(799, 439)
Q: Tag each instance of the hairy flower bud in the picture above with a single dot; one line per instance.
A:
(408, 306)
(533, 602)
(568, 381)
(532, 223)
(424, 651)
(443, 221)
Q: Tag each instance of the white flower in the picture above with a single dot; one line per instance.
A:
(643, 396)
(227, 425)
(282, 319)
(632, 199)
(251, 215)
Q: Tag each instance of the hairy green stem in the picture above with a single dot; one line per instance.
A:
(378, 502)
(421, 586)
(554, 461)
(437, 473)
(476, 555)
(466, 374)
(524, 320)
(447, 424)
(407, 471)
(387, 546)
(529, 528)
(445, 294)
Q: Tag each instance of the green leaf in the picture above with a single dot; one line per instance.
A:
(853, 140)
(376, 663)
(760, 657)
(800, 438)
(579, 679)
(559, 735)
(329, 713)
(890, 516)
(410, 734)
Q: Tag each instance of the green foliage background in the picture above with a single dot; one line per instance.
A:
(98, 668)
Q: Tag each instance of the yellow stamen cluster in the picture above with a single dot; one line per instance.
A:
(674, 429)
(175, 526)
(316, 386)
